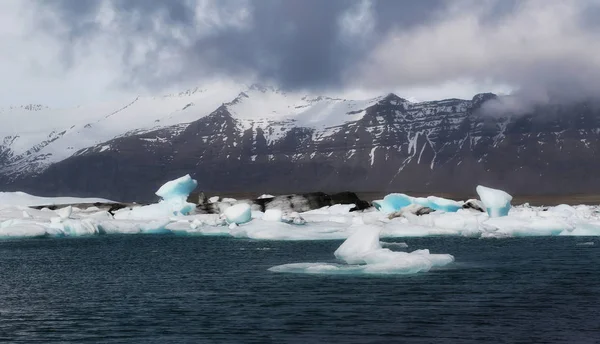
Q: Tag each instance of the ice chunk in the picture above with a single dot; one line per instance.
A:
(497, 202)
(176, 192)
(363, 241)
(265, 196)
(273, 215)
(238, 213)
(65, 212)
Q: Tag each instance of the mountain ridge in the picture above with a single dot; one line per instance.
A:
(262, 139)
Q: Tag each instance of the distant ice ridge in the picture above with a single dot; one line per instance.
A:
(396, 201)
(363, 254)
(242, 219)
(23, 199)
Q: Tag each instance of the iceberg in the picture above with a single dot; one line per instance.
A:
(393, 202)
(238, 213)
(174, 196)
(497, 202)
(363, 254)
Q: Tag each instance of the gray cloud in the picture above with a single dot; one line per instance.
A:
(542, 49)
(293, 43)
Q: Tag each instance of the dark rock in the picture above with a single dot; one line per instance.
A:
(197, 198)
(424, 211)
(348, 197)
(413, 209)
(116, 206)
(474, 204)
(310, 201)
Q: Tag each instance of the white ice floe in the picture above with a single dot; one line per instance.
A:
(174, 215)
(363, 254)
(23, 199)
(273, 215)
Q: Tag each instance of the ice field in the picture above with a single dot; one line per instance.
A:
(396, 216)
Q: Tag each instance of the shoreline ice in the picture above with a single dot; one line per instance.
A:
(241, 220)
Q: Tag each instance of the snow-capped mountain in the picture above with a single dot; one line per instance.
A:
(261, 139)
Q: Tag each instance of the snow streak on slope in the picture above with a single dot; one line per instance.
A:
(275, 112)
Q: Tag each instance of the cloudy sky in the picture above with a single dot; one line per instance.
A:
(70, 52)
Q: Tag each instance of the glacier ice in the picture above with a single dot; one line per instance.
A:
(397, 201)
(65, 212)
(238, 213)
(364, 241)
(240, 220)
(442, 204)
(497, 202)
(175, 194)
(393, 202)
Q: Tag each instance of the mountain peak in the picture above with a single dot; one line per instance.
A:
(393, 99)
(481, 98)
(263, 88)
(238, 99)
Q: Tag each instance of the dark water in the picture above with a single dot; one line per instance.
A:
(169, 289)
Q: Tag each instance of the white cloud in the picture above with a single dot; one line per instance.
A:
(53, 69)
(541, 44)
(539, 47)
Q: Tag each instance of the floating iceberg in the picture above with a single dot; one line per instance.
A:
(363, 253)
(397, 201)
(174, 196)
(238, 213)
(497, 202)
(175, 193)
